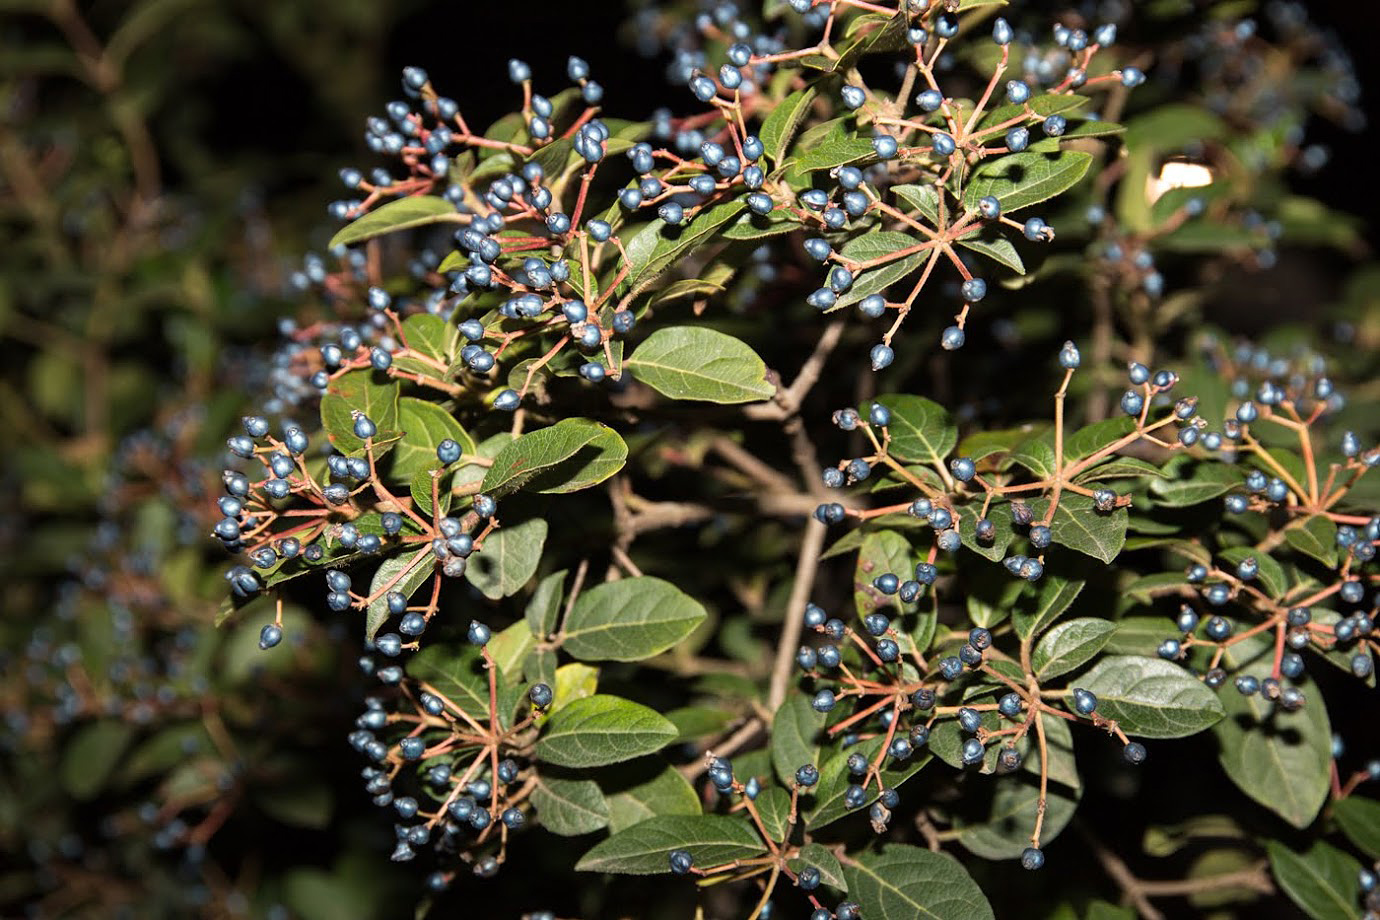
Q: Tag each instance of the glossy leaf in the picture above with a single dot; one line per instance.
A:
(645, 788)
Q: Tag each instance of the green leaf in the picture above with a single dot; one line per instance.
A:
(573, 454)
(900, 882)
(1080, 526)
(876, 245)
(646, 788)
(402, 214)
(822, 858)
(629, 620)
(430, 336)
(1022, 179)
(780, 126)
(1314, 536)
(834, 780)
(1005, 831)
(509, 558)
(1282, 760)
(1000, 516)
(358, 391)
(1208, 480)
(1089, 439)
(1322, 881)
(510, 647)
(995, 246)
(1070, 645)
(835, 153)
(1152, 698)
(411, 571)
(455, 672)
(424, 425)
(658, 245)
(921, 430)
(774, 807)
(1051, 597)
(569, 807)
(573, 682)
(1270, 576)
(91, 756)
(882, 551)
(1359, 819)
(602, 729)
(697, 363)
(795, 736)
(545, 605)
(645, 848)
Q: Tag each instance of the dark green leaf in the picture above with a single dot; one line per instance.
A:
(509, 558)
(795, 736)
(645, 848)
(1080, 526)
(1022, 179)
(1070, 645)
(602, 729)
(1206, 481)
(921, 430)
(402, 214)
(91, 755)
(644, 789)
(629, 619)
(569, 807)
(818, 856)
(545, 605)
(424, 425)
(357, 391)
(1321, 881)
(657, 246)
(573, 454)
(780, 126)
(697, 363)
(1043, 604)
(877, 245)
(404, 573)
(1280, 759)
(901, 882)
(1152, 698)
(1359, 819)
(1270, 576)
(1314, 536)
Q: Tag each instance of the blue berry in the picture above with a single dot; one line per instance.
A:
(270, 636)
(1032, 858)
(681, 861)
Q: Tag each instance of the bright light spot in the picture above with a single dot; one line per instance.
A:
(1177, 174)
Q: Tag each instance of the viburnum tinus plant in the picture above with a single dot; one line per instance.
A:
(653, 463)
